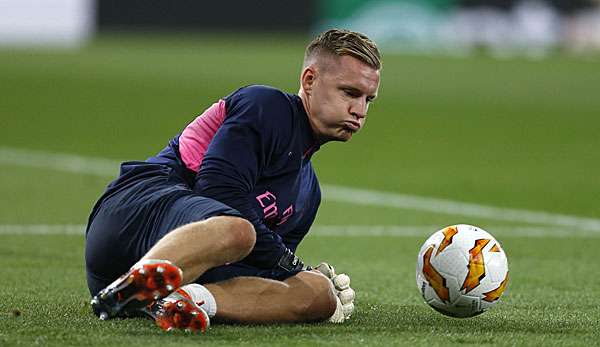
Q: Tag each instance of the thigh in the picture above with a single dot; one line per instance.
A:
(128, 224)
(185, 209)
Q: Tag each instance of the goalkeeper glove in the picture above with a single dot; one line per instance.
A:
(344, 294)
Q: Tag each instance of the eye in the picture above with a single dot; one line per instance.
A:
(351, 93)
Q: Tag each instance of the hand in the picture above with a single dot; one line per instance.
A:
(344, 294)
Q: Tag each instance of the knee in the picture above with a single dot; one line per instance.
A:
(239, 235)
(243, 234)
(318, 302)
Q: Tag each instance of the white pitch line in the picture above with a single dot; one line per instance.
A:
(109, 168)
(42, 229)
(443, 206)
(332, 230)
(59, 162)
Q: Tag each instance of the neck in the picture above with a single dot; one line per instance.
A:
(304, 97)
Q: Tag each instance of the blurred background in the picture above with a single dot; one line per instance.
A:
(488, 102)
(502, 27)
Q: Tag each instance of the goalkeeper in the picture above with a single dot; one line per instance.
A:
(208, 228)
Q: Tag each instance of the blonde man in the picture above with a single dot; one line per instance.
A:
(208, 228)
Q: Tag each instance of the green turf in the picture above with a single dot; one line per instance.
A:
(513, 133)
(546, 303)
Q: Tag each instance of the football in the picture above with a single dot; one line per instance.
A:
(462, 271)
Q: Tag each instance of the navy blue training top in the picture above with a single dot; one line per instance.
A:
(251, 151)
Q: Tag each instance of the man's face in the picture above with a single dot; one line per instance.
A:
(338, 91)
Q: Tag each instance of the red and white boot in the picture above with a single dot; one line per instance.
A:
(179, 311)
(146, 282)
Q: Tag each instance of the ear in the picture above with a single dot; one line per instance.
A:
(307, 78)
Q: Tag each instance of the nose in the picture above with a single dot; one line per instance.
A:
(359, 108)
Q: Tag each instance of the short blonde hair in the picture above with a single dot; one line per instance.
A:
(341, 42)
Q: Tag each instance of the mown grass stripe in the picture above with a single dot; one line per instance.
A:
(109, 168)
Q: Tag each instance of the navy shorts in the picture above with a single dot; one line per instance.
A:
(144, 204)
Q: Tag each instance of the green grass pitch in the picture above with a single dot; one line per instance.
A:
(516, 134)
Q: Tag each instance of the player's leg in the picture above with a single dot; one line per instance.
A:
(151, 236)
(199, 246)
(305, 297)
(179, 257)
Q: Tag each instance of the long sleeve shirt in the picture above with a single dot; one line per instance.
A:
(251, 151)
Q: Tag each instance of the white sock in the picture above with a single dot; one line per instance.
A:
(199, 293)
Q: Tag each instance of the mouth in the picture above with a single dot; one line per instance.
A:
(352, 126)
